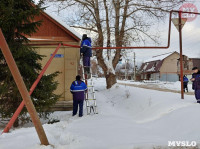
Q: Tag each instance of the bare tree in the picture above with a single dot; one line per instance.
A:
(117, 23)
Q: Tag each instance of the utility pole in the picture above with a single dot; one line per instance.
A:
(134, 68)
(181, 55)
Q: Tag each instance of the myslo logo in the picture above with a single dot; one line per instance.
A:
(189, 7)
(182, 143)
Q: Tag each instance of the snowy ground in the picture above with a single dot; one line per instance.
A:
(160, 84)
(128, 118)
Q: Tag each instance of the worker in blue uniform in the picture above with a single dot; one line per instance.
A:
(78, 89)
(86, 52)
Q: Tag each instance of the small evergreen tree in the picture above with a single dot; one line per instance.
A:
(16, 22)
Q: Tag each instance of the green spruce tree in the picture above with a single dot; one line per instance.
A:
(16, 22)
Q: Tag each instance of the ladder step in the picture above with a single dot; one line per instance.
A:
(91, 93)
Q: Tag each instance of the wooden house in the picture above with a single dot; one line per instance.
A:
(66, 61)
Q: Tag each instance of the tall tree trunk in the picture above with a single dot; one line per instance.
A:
(110, 80)
(110, 77)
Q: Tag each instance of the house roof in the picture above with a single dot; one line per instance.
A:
(154, 64)
(53, 29)
(59, 20)
(160, 57)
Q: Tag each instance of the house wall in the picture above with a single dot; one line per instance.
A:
(155, 76)
(169, 77)
(168, 70)
(67, 63)
(50, 29)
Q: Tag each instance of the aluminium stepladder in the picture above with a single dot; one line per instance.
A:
(90, 98)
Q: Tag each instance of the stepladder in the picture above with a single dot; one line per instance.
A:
(90, 98)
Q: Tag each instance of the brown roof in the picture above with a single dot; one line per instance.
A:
(153, 66)
(52, 30)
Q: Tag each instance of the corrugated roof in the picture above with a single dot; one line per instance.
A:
(59, 21)
(159, 57)
(153, 66)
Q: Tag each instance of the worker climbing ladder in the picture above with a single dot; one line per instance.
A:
(90, 97)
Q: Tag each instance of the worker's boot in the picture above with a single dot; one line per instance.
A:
(85, 69)
(88, 72)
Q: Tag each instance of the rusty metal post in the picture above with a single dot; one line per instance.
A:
(181, 55)
(22, 89)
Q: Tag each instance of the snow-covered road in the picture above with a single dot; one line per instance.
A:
(128, 117)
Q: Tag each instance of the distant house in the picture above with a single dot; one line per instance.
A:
(161, 67)
(188, 64)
